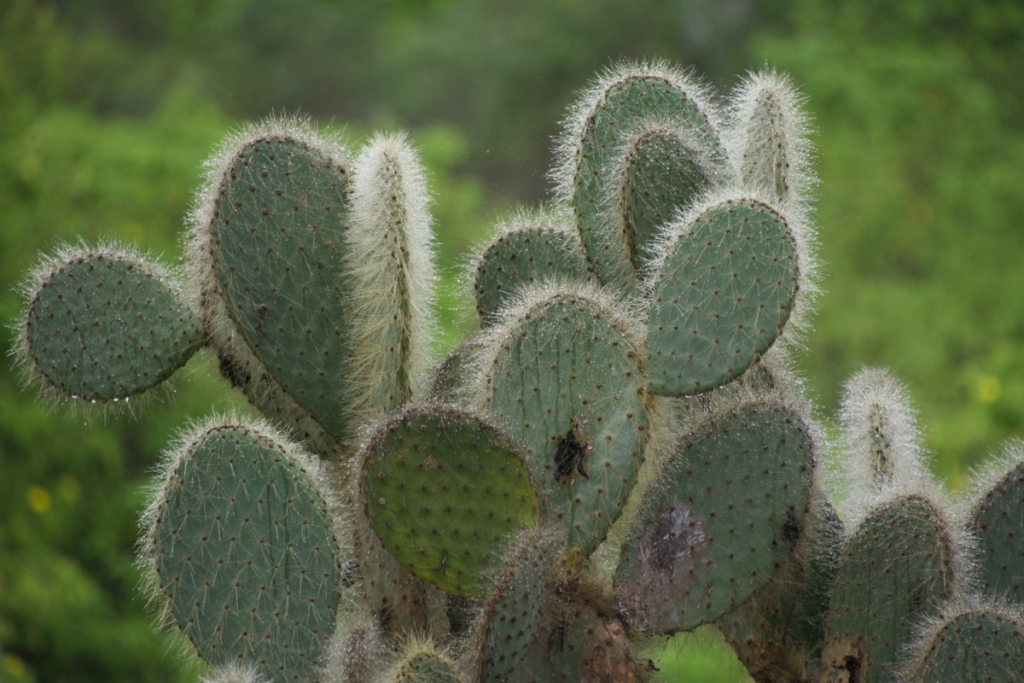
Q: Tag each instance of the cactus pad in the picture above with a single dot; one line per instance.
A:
(897, 564)
(522, 254)
(618, 103)
(564, 376)
(997, 520)
(578, 644)
(984, 643)
(723, 291)
(104, 325)
(728, 514)
(662, 174)
(273, 267)
(512, 612)
(245, 552)
(444, 489)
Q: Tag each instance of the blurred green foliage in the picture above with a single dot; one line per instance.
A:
(108, 107)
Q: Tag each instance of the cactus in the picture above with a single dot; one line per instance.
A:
(621, 452)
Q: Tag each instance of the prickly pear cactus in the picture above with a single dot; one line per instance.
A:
(621, 452)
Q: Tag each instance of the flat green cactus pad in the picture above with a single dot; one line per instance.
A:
(246, 555)
(444, 491)
(523, 256)
(897, 563)
(728, 514)
(578, 644)
(617, 106)
(723, 291)
(512, 612)
(565, 376)
(275, 245)
(662, 174)
(977, 645)
(104, 325)
(998, 522)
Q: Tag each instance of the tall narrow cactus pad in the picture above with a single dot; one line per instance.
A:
(896, 565)
(444, 490)
(729, 512)
(527, 250)
(564, 377)
(103, 325)
(971, 642)
(997, 520)
(777, 633)
(770, 133)
(578, 644)
(725, 285)
(883, 447)
(269, 246)
(661, 172)
(244, 550)
(594, 135)
(511, 615)
(392, 278)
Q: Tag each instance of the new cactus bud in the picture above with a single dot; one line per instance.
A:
(769, 139)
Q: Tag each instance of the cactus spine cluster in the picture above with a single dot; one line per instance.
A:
(622, 452)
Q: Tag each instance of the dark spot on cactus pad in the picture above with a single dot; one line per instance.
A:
(791, 527)
(664, 564)
(234, 372)
(571, 452)
(846, 658)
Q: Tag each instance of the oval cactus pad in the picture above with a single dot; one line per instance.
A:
(103, 325)
(275, 251)
(246, 555)
(724, 289)
(565, 376)
(728, 514)
(445, 490)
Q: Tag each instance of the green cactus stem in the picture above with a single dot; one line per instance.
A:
(997, 520)
(268, 250)
(527, 249)
(897, 564)
(662, 171)
(511, 614)
(970, 640)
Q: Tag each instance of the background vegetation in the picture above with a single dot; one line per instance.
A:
(108, 107)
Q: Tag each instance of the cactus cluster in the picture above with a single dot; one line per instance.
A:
(621, 452)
